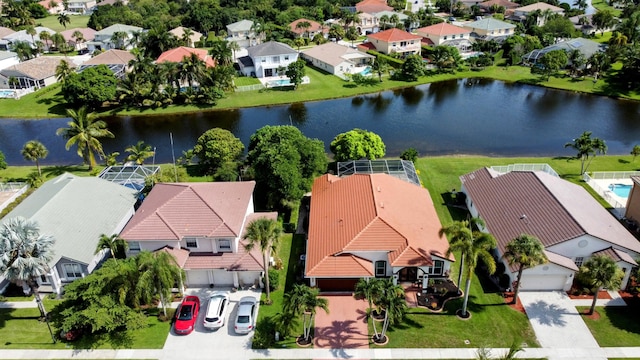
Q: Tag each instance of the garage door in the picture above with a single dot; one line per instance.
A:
(198, 277)
(543, 282)
(337, 284)
(222, 278)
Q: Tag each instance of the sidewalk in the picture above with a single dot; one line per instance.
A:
(615, 300)
(18, 304)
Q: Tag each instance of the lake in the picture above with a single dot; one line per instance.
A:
(475, 116)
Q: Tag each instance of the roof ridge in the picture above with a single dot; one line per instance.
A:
(212, 210)
(167, 224)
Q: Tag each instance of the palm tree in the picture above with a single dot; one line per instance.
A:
(221, 51)
(34, 150)
(23, 49)
(600, 272)
(117, 246)
(46, 38)
(304, 25)
(394, 19)
(485, 354)
(84, 131)
(58, 41)
(265, 234)
(586, 146)
(393, 303)
(30, 30)
(303, 300)
(63, 70)
(527, 251)
(63, 19)
(25, 254)
(186, 37)
(368, 288)
(460, 231)
(139, 152)
(78, 37)
(192, 69)
(159, 272)
(474, 246)
(233, 46)
(580, 4)
(384, 19)
(118, 39)
(635, 152)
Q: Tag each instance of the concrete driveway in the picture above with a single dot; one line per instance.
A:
(556, 321)
(344, 327)
(207, 341)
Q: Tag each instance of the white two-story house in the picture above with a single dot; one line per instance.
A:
(266, 59)
(202, 225)
(104, 39)
(394, 41)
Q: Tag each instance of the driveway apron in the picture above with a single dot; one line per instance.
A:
(556, 321)
(344, 327)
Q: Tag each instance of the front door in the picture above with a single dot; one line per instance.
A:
(408, 274)
(268, 72)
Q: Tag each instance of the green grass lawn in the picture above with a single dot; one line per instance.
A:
(21, 173)
(246, 80)
(617, 326)
(21, 329)
(77, 21)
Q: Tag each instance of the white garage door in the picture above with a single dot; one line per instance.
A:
(198, 277)
(222, 278)
(543, 282)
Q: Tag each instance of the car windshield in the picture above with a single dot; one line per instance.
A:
(211, 319)
(185, 312)
(243, 319)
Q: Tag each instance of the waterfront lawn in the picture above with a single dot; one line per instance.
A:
(246, 80)
(44, 103)
(77, 21)
(617, 326)
(21, 173)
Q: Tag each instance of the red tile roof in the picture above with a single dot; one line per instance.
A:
(175, 210)
(616, 255)
(315, 27)
(180, 255)
(506, 3)
(442, 29)
(373, 6)
(178, 54)
(370, 212)
(393, 35)
(366, 46)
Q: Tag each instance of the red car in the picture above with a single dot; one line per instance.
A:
(187, 315)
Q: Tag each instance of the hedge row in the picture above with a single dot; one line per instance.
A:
(396, 63)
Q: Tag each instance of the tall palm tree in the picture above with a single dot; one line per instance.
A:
(221, 52)
(139, 152)
(186, 37)
(526, 251)
(84, 131)
(23, 49)
(34, 150)
(192, 69)
(78, 37)
(118, 39)
(46, 38)
(474, 247)
(393, 303)
(304, 25)
(384, 20)
(460, 231)
(64, 19)
(117, 246)
(586, 146)
(303, 300)
(25, 254)
(159, 272)
(63, 70)
(601, 272)
(30, 30)
(265, 234)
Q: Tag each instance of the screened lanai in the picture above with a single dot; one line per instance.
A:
(131, 176)
(402, 169)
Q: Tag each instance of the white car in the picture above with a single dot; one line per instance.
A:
(216, 310)
(246, 317)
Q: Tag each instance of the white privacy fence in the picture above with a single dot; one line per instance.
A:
(525, 167)
(601, 187)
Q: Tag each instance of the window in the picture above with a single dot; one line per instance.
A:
(286, 57)
(72, 271)
(224, 245)
(134, 246)
(579, 260)
(445, 37)
(275, 59)
(403, 43)
(437, 267)
(191, 242)
(264, 60)
(381, 268)
(44, 279)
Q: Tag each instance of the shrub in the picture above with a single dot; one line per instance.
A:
(264, 337)
(410, 154)
(274, 279)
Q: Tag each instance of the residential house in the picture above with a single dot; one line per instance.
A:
(401, 19)
(585, 46)
(520, 14)
(265, 59)
(490, 29)
(373, 6)
(372, 225)
(313, 29)
(35, 73)
(7, 41)
(193, 38)
(76, 211)
(7, 59)
(53, 7)
(368, 24)
(569, 222)
(5, 31)
(80, 43)
(485, 6)
(102, 39)
(446, 34)
(112, 2)
(116, 60)
(178, 55)
(243, 33)
(80, 7)
(394, 41)
(202, 224)
(337, 59)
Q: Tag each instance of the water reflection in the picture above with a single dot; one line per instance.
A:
(412, 96)
(298, 113)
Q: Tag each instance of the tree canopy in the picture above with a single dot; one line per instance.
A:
(357, 144)
(284, 162)
(92, 87)
(295, 72)
(216, 147)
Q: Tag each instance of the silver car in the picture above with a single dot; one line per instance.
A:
(216, 310)
(246, 317)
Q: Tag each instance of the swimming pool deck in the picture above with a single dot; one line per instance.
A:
(274, 81)
(611, 197)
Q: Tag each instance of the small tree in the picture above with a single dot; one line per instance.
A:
(3, 162)
(587, 148)
(551, 63)
(380, 67)
(34, 150)
(265, 234)
(410, 154)
(216, 147)
(117, 246)
(357, 144)
(296, 72)
(635, 151)
(526, 251)
(303, 300)
(393, 303)
(139, 152)
(600, 272)
(412, 68)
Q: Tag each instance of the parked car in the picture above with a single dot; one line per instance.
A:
(246, 317)
(187, 315)
(216, 310)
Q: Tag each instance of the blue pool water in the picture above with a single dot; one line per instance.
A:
(366, 71)
(621, 190)
(7, 93)
(282, 82)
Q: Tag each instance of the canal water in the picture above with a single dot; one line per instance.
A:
(473, 116)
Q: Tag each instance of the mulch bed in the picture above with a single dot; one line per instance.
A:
(508, 298)
(594, 316)
(630, 298)
(601, 295)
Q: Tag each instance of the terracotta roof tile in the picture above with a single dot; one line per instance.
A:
(393, 35)
(556, 259)
(178, 54)
(180, 255)
(616, 255)
(373, 6)
(345, 265)
(441, 29)
(370, 212)
(315, 27)
(87, 33)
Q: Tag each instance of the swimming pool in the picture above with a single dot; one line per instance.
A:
(7, 94)
(366, 71)
(281, 82)
(621, 190)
